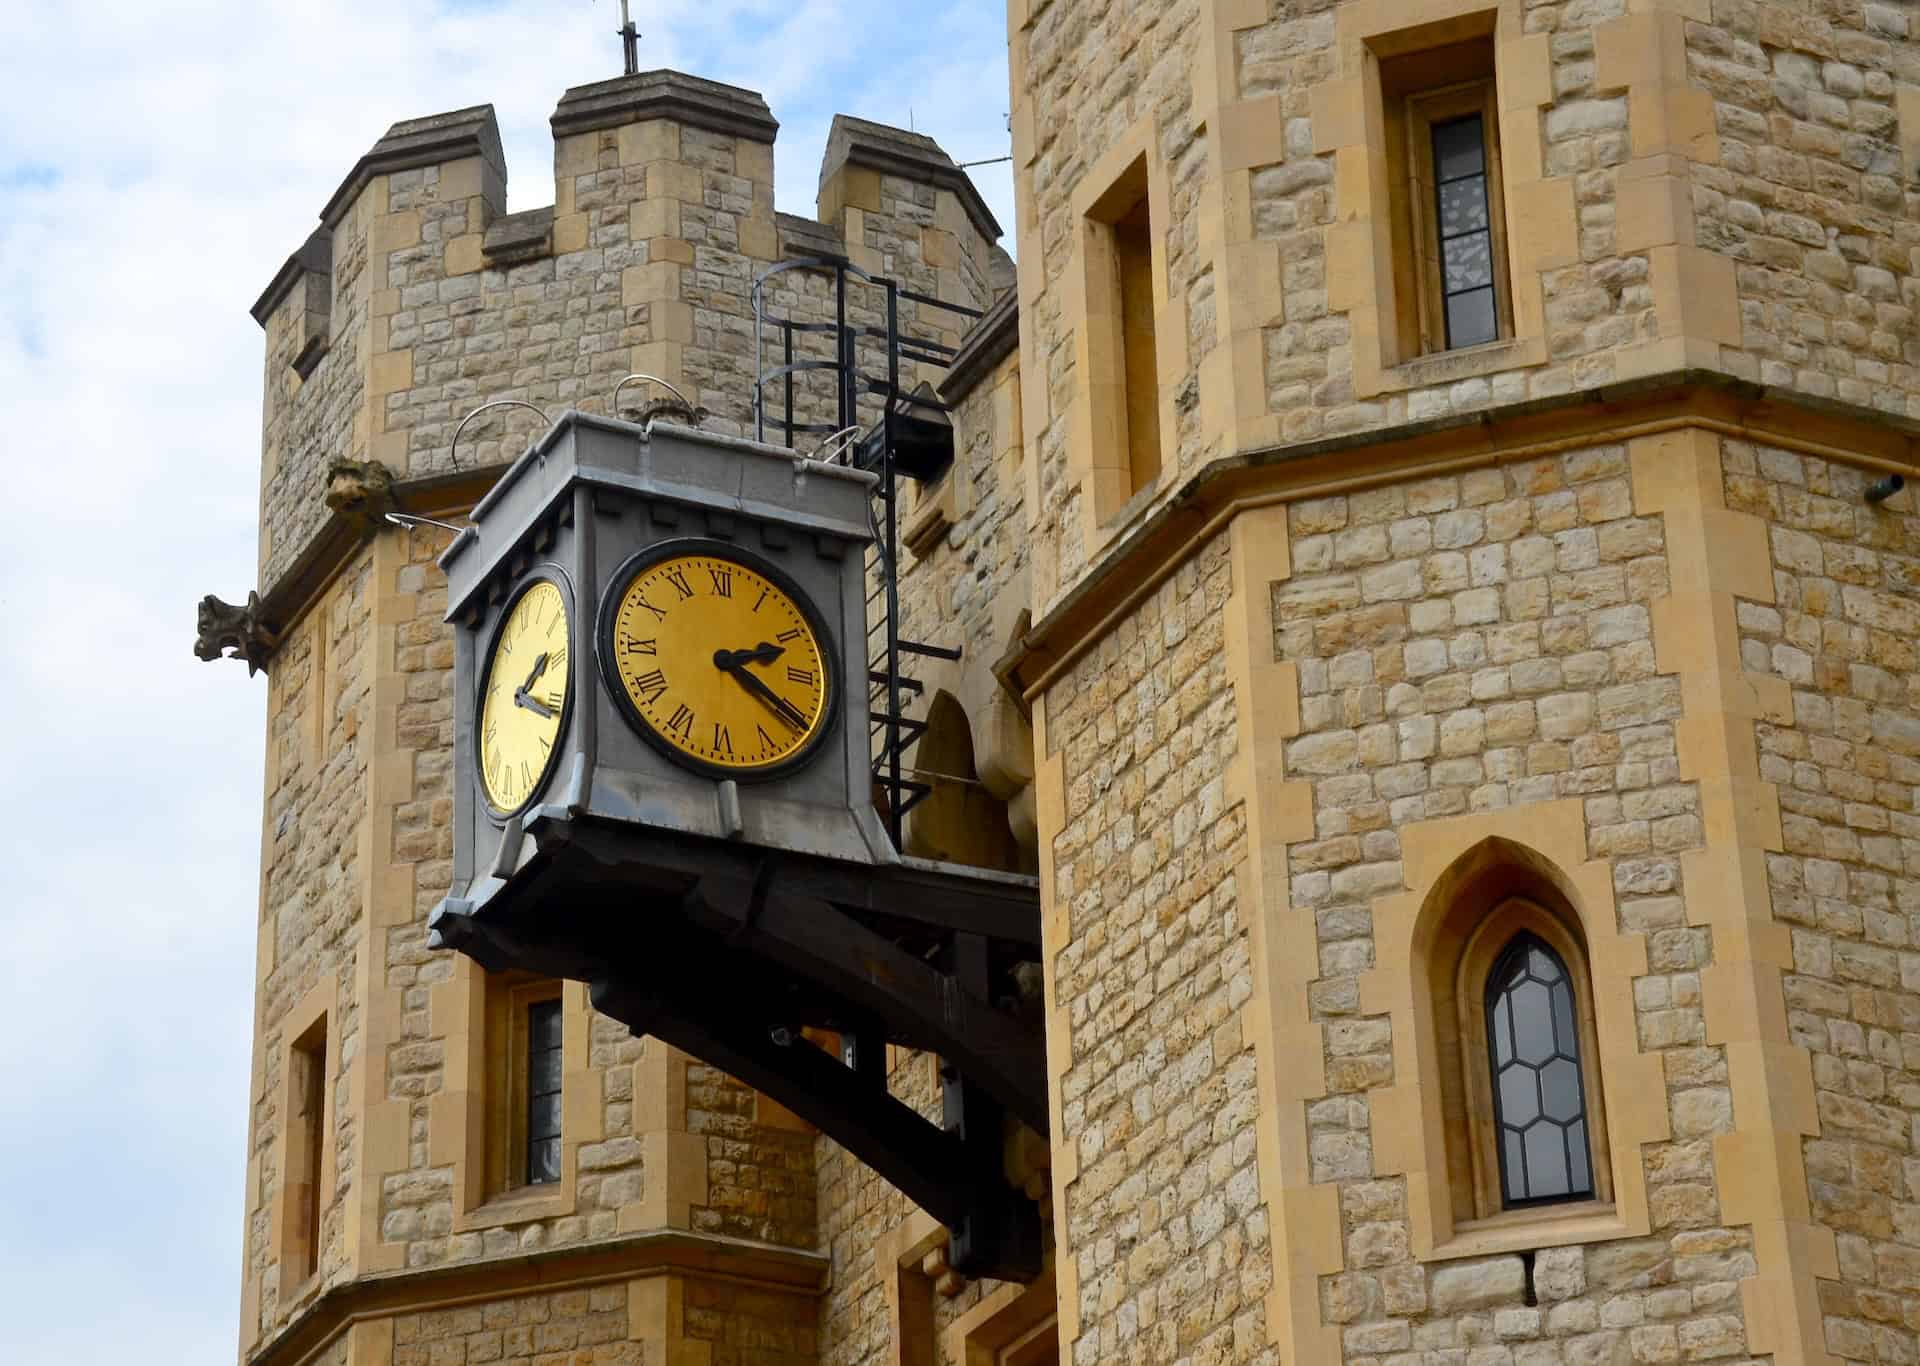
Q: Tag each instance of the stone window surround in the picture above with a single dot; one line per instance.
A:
(1348, 116)
(1411, 1130)
(287, 1237)
(470, 1126)
(1013, 1325)
(1095, 463)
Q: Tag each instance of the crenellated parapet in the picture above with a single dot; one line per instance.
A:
(420, 297)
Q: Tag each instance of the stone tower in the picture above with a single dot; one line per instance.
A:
(1428, 533)
(449, 1165)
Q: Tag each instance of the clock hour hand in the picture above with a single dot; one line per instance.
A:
(763, 653)
(522, 695)
(780, 707)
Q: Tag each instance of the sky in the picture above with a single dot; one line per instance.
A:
(158, 162)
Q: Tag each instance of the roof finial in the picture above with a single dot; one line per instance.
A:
(629, 40)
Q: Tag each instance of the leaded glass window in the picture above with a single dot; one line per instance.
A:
(1464, 218)
(1539, 1098)
(543, 1092)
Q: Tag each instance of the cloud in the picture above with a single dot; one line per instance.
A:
(157, 164)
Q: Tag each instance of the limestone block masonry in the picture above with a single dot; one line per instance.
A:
(685, 1225)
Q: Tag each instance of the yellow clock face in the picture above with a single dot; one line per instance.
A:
(524, 697)
(719, 663)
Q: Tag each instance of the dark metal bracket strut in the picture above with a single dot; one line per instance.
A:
(728, 952)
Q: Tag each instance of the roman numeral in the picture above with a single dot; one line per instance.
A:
(646, 606)
(682, 721)
(558, 659)
(802, 676)
(633, 645)
(786, 636)
(722, 582)
(722, 740)
(766, 740)
(526, 775)
(491, 734)
(678, 578)
(762, 598)
(650, 686)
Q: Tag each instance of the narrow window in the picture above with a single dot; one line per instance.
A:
(1539, 1101)
(1133, 265)
(306, 1143)
(543, 1092)
(1124, 383)
(1464, 231)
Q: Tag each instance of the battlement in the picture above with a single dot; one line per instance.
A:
(419, 297)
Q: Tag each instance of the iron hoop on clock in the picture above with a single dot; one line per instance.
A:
(680, 547)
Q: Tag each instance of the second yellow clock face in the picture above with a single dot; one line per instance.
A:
(525, 697)
(719, 664)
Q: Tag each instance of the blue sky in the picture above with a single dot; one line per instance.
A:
(157, 163)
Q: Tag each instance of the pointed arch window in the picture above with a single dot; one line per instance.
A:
(1539, 1095)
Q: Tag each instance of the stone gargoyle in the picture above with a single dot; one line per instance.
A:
(229, 632)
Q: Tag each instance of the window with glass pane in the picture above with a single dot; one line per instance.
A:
(1539, 1099)
(543, 1092)
(1461, 211)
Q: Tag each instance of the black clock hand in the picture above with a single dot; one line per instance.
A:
(522, 695)
(780, 707)
(523, 699)
(763, 653)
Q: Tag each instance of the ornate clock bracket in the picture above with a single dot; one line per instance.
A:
(728, 952)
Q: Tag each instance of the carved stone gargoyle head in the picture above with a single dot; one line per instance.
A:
(224, 628)
(360, 490)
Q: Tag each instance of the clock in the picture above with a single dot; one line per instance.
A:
(523, 696)
(719, 659)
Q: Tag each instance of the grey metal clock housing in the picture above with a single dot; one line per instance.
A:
(592, 493)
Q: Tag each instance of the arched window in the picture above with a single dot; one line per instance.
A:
(1521, 1092)
(1539, 1096)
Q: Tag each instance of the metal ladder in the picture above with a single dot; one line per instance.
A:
(891, 690)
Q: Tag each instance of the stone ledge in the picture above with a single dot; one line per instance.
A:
(805, 237)
(911, 156)
(991, 340)
(767, 1267)
(413, 143)
(519, 237)
(315, 257)
(671, 95)
(1682, 397)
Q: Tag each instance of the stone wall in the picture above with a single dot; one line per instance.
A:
(1844, 634)
(1725, 193)
(1163, 1210)
(569, 1325)
(1810, 197)
(436, 301)
(1476, 644)
(312, 908)
(760, 1163)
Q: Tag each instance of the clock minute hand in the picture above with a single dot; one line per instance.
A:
(523, 698)
(780, 707)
